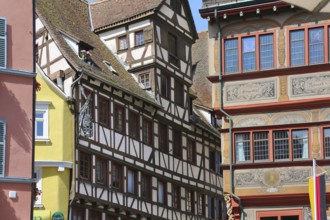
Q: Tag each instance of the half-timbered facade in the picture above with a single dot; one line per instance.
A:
(142, 151)
(270, 70)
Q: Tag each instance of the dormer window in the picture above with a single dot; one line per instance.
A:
(144, 80)
(109, 66)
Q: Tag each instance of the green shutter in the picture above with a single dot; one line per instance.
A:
(3, 43)
(2, 147)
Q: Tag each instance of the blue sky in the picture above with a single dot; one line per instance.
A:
(201, 24)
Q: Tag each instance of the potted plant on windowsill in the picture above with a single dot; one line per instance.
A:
(86, 56)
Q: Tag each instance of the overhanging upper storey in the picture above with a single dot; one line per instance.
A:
(239, 7)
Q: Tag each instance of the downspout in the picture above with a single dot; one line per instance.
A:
(227, 115)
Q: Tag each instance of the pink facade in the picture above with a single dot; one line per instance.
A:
(17, 80)
(20, 34)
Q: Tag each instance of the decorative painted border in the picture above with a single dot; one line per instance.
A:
(251, 91)
(310, 85)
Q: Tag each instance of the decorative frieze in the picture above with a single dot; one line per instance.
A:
(291, 118)
(279, 118)
(271, 180)
(253, 91)
(251, 122)
(312, 85)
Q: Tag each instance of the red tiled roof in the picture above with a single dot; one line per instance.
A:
(108, 12)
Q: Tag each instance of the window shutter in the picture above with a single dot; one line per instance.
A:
(3, 43)
(2, 147)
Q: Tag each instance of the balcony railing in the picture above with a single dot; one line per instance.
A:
(211, 3)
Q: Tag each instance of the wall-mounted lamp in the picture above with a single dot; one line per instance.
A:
(241, 13)
(258, 11)
(292, 6)
(274, 8)
(224, 16)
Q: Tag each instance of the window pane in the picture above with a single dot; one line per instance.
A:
(116, 176)
(103, 112)
(40, 128)
(146, 186)
(327, 142)
(300, 144)
(179, 93)
(119, 117)
(147, 131)
(84, 165)
(165, 86)
(161, 192)
(134, 125)
(173, 51)
(191, 151)
(122, 43)
(281, 145)
(130, 181)
(266, 52)
(163, 137)
(39, 115)
(176, 196)
(329, 42)
(297, 49)
(101, 171)
(139, 38)
(242, 146)
(260, 143)
(316, 45)
(177, 143)
(249, 53)
(201, 205)
(231, 56)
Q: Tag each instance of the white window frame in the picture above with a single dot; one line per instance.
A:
(38, 172)
(42, 107)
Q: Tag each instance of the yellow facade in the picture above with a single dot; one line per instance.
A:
(54, 156)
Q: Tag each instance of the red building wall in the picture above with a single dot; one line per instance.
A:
(17, 109)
